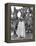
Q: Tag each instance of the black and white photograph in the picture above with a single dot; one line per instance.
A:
(21, 22)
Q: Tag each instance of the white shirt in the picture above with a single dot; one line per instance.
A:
(21, 29)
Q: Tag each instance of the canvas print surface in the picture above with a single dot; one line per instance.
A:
(21, 22)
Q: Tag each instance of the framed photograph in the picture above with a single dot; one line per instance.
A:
(19, 22)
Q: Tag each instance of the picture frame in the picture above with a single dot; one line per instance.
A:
(8, 9)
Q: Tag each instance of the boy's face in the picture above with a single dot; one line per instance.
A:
(19, 14)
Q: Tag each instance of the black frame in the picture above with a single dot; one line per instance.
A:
(7, 22)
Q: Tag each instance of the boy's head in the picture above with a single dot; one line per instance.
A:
(19, 14)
